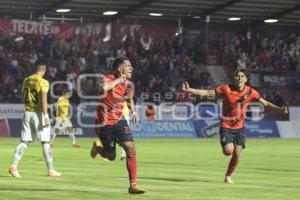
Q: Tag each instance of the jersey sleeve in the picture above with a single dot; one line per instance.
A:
(44, 86)
(58, 102)
(106, 79)
(255, 95)
(220, 91)
(109, 78)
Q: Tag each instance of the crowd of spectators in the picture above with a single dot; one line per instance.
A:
(263, 51)
(159, 65)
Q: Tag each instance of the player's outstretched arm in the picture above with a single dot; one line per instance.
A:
(273, 107)
(109, 84)
(186, 87)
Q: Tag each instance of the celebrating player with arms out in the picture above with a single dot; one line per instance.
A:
(236, 97)
(35, 119)
(112, 127)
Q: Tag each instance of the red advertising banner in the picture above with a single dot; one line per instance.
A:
(64, 30)
(99, 30)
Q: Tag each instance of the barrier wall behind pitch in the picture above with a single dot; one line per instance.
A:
(11, 114)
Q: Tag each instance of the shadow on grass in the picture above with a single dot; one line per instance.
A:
(178, 180)
(5, 176)
(277, 170)
(172, 164)
(34, 189)
(46, 190)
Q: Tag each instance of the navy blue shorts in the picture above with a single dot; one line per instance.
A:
(111, 134)
(235, 136)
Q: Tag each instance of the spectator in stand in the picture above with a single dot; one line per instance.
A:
(242, 61)
(150, 113)
(278, 100)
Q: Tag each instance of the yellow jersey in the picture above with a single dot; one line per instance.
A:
(125, 110)
(32, 89)
(63, 105)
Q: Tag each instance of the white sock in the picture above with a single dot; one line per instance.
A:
(123, 153)
(72, 136)
(48, 155)
(20, 149)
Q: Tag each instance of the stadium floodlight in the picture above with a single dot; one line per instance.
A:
(271, 20)
(110, 12)
(156, 14)
(196, 17)
(63, 10)
(234, 19)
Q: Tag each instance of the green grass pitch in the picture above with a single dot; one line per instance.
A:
(169, 169)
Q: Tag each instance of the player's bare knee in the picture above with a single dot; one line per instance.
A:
(129, 147)
(130, 150)
(227, 152)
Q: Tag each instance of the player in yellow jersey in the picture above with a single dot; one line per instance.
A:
(125, 113)
(35, 122)
(63, 123)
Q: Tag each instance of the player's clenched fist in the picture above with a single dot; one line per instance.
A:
(284, 110)
(185, 87)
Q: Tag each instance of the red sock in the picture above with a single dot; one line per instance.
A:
(232, 165)
(131, 167)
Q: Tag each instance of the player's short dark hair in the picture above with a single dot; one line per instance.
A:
(39, 63)
(118, 61)
(240, 70)
(150, 106)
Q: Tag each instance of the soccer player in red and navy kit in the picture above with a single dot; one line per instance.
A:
(236, 97)
(111, 126)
